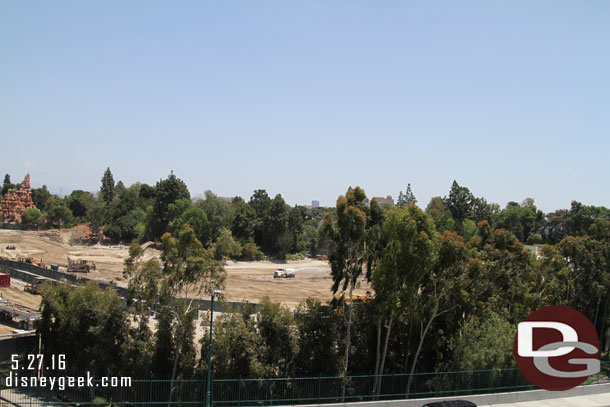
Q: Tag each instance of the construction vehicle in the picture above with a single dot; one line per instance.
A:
(36, 287)
(284, 273)
(342, 299)
(11, 247)
(80, 266)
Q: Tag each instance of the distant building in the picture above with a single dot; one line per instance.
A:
(315, 204)
(388, 200)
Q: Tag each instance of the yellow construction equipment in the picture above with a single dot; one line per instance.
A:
(341, 299)
(80, 266)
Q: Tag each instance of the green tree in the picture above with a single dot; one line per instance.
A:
(318, 347)
(279, 339)
(459, 202)
(407, 198)
(7, 185)
(521, 220)
(261, 203)
(31, 217)
(295, 226)
(410, 249)
(86, 323)
(483, 343)
(348, 231)
(442, 217)
(236, 349)
(107, 188)
(195, 217)
(190, 272)
(219, 213)
(58, 214)
(225, 246)
(40, 196)
(80, 202)
(167, 192)
(244, 220)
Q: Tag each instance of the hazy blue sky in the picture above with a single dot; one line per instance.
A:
(510, 98)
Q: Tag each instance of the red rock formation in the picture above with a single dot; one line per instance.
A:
(16, 201)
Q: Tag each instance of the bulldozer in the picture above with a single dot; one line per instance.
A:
(80, 266)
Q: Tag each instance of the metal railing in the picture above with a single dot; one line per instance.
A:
(279, 391)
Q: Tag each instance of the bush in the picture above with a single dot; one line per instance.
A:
(296, 256)
(252, 252)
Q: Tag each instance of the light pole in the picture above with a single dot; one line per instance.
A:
(208, 395)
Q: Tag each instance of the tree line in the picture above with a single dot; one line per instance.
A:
(450, 284)
(236, 228)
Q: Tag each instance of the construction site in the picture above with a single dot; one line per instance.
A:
(66, 251)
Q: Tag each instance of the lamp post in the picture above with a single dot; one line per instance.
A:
(208, 395)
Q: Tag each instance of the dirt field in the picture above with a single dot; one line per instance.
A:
(245, 280)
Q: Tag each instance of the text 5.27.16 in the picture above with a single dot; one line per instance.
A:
(38, 361)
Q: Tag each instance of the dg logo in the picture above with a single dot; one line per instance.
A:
(556, 348)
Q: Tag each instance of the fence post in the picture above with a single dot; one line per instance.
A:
(266, 390)
(150, 387)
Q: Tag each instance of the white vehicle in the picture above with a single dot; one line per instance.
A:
(284, 273)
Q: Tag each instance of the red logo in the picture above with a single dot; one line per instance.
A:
(556, 348)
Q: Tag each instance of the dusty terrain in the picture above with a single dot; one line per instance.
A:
(245, 280)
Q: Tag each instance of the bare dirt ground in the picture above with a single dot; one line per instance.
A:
(249, 281)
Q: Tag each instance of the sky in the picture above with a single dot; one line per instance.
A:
(509, 98)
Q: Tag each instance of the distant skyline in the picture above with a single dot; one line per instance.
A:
(511, 99)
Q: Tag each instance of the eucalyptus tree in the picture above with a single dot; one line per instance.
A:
(409, 253)
(349, 229)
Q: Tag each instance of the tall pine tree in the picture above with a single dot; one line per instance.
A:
(107, 186)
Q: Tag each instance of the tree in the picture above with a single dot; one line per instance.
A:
(58, 214)
(459, 202)
(31, 217)
(195, 217)
(410, 249)
(261, 203)
(483, 343)
(276, 239)
(318, 350)
(521, 220)
(225, 246)
(442, 217)
(219, 213)
(7, 185)
(348, 230)
(439, 286)
(86, 323)
(80, 202)
(244, 220)
(295, 226)
(40, 196)
(167, 192)
(237, 348)
(407, 198)
(107, 188)
(279, 339)
(189, 272)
